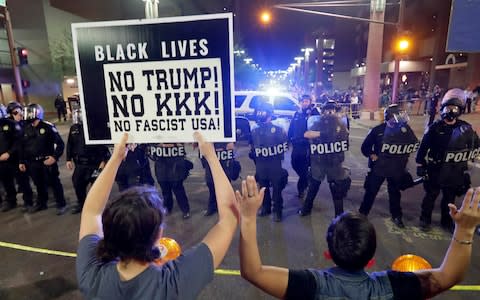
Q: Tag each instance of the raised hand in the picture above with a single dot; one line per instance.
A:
(250, 199)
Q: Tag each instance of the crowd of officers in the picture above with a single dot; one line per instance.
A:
(31, 147)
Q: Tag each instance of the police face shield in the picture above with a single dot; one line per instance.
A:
(313, 123)
(3, 112)
(77, 116)
(29, 113)
(398, 118)
(450, 112)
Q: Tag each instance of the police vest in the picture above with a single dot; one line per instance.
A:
(225, 154)
(461, 156)
(399, 149)
(328, 148)
(271, 151)
(165, 152)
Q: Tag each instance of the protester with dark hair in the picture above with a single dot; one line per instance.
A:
(117, 240)
(351, 241)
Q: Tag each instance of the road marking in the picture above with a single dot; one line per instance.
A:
(69, 254)
(217, 271)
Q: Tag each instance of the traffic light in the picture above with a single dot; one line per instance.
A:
(25, 83)
(22, 56)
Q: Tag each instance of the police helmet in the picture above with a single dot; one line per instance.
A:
(394, 114)
(33, 112)
(263, 111)
(330, 105)
(453, 97)
(13, 106)
(77, 116)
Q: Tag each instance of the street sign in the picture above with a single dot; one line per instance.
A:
(463, 26)
(159, 80)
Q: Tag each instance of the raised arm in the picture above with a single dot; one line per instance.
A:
(272, 280)
(220, 236)
(457, 258)
(91, 220)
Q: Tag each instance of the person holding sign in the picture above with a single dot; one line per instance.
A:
(171, 169)
(268, 146)
(117, 240)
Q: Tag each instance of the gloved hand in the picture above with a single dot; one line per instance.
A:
(421, 171)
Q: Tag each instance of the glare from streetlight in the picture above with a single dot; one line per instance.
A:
(266, 17)
(247, 60)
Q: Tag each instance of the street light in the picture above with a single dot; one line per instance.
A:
(401, 47)
(248, 60)
(265, 17)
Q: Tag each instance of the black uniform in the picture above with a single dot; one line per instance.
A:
(269, 143)
(392, 146)
(87, 159)
(22, 178)
(230, 167)
(327, 154)
(445, 151)
(135, 169)
(38, 143)
(9, 142)
(171, 169)
(300, 152)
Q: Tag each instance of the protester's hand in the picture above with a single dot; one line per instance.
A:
(22, 167)
(206, 148)
(250, 199)
(373, 157)
(468, 216)
(120, 150)
(49, 161)
(5, 156)
(69, 165)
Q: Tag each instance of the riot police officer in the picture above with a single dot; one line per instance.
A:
(135, 168)
(388, 147)
(171, 169)
(300, 145)
(41, 148)
(231, 167)
(268, 145)
(446, 148)
(88, 160)
(15, 113)
(9, 142)
(328, 142)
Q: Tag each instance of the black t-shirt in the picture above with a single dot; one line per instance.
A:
(302, 285)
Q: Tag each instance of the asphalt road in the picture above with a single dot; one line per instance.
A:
(297, 242)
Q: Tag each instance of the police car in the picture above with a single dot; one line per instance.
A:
(284, 106)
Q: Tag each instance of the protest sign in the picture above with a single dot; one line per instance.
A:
(157, 79)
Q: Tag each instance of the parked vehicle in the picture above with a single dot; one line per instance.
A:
(284, 106)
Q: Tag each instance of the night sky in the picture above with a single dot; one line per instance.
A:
(272, 47)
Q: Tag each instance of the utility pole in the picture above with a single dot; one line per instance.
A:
(151, 9)
(396, 68)
(11, 47)
(374, 57)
